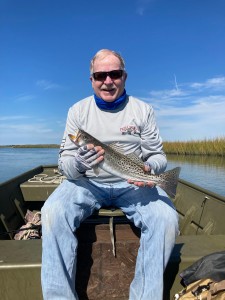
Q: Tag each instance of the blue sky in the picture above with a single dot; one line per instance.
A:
(174, 52)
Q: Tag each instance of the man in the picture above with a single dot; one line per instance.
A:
(109, 115)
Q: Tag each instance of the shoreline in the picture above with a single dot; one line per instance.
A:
(212, 147)
(31, 146)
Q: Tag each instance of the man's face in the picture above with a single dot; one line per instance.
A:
(109, 89)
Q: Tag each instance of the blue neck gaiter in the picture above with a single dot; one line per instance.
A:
(110, 105)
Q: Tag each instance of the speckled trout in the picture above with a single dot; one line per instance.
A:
(127, 166)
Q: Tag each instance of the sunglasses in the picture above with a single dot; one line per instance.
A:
(101, 76)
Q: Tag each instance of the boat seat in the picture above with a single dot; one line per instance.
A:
(110, 212)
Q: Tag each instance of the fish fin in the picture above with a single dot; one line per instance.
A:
(96, 171)
(169, 181)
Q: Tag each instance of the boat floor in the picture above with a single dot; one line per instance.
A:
(20, 265)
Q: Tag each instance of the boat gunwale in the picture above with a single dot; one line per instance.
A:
(201, 189)
(41, 168)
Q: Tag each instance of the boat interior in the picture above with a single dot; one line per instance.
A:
(108, 242)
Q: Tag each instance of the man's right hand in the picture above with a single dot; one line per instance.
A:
(88, 156)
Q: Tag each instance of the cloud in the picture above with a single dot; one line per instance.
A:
(15, 132)
(26, 128)
(217, 83)
(168, 94)
(18, 125)
(187, 111)
(12, 118)
(142, 6)
(192, 111)
(24, 98)
(47, 85)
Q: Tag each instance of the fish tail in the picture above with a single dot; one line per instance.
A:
(170, 181)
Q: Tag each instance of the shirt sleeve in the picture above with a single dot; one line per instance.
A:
(151, 144)
(67, 161)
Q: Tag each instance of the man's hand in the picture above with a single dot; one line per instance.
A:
(88, 156)
(141, 183)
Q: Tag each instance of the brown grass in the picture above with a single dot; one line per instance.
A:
(202, 147)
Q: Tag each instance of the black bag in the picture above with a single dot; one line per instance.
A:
(210, 266)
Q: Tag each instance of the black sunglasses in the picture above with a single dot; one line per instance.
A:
(114, 74)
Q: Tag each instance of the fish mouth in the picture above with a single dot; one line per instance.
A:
(75, 137)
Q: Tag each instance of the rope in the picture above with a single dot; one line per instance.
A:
(44, 178)
(30, 230)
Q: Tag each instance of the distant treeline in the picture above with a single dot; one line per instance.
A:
(32, 146)
(202, 147)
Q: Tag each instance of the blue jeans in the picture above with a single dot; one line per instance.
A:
(73, 201)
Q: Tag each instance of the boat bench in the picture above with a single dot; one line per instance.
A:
(20, 264)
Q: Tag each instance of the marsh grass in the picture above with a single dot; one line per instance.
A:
(212, 147)
(202, 147)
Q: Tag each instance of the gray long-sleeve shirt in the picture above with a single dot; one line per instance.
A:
(133, 126)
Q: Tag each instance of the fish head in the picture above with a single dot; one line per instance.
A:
(80, 137)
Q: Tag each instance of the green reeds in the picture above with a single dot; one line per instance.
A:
(203, 147)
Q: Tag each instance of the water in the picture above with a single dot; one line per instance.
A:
(14, 161)
(207, 172)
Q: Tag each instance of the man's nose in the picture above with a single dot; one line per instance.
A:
(108, 80)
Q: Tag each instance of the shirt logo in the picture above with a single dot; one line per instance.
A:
(129, 129)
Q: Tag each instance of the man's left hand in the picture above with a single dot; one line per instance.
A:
(141, 183)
